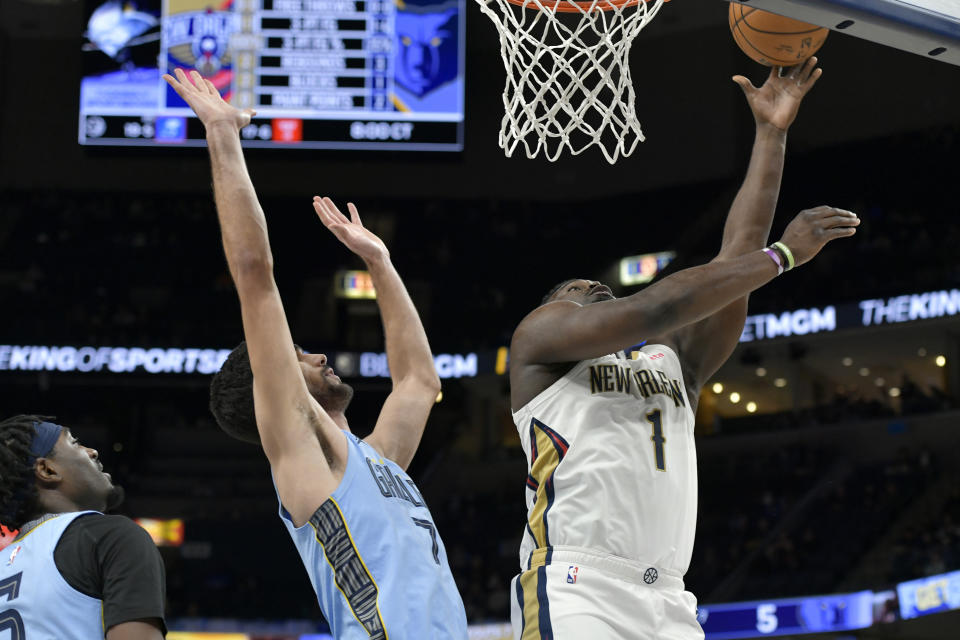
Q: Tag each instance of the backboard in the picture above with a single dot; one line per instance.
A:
(930, 28)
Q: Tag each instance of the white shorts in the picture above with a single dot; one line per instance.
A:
(575, 594)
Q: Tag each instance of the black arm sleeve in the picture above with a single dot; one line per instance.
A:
(112, 559)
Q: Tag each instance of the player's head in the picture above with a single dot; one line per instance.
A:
(231, 391)
(43, 468)
(579, 290)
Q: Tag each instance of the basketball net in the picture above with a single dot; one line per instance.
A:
(568, 76)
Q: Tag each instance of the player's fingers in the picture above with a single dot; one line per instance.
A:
(250, 112)
(198, 81)
(824, 211)
(210, 86)
(169, 78)
(797, 71)
(185, 84)
(335, 211)
(812, 80)
(322, 213)
(809, 65)
(173, 83)
(745, 84)
(354, 214)
(839, 221)
(839, 232)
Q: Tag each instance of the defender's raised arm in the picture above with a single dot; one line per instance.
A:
(415, 381)
(303, 444)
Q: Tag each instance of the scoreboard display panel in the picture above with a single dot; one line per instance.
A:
(333, 74)
(788, 616)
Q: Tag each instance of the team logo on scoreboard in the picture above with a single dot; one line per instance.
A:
(196, 35)
(426, 39)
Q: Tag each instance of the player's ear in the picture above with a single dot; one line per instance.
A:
(47, 471)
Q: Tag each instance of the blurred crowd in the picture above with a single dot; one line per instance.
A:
(845, 407)
(928, 548)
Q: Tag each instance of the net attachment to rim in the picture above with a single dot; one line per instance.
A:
(568, 76)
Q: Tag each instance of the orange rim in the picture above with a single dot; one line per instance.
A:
(577, 6)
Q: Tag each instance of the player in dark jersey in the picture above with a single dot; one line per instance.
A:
(364, 533)
(72, 573)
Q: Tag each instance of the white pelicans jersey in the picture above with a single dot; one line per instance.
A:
(612, 466)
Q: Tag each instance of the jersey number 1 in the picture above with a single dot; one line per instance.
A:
(10, 620)
(654, 418)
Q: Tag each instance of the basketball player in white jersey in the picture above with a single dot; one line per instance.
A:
(612, 485)
(72, 573)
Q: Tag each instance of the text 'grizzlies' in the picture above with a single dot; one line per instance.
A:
(615, 377)
(392, 486)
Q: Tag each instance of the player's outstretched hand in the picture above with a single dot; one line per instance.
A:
(350, 232)
(206, 101)
(812, 229)
(776, 103)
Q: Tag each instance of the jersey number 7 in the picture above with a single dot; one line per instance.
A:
(426, 524)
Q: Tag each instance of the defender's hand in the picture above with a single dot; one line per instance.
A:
(350, 232)
(206, 101)
(776, 103)
(807, 234)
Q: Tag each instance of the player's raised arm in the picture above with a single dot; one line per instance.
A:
(302, 443)
(415, 382)
(567, 331)
(703, 347)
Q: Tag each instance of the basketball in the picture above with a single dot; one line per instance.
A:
(774, 40)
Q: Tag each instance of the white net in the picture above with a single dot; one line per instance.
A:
(568, 76)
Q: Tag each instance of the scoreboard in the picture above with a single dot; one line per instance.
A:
(364, 74)
(787, 616)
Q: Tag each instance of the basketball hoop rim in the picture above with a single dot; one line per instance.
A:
(577, 6)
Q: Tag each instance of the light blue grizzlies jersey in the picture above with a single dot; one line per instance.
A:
(35, 600)
(375, 558)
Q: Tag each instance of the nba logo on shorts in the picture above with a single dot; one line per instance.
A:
(572, 574)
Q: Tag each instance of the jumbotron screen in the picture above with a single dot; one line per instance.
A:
(332, 74)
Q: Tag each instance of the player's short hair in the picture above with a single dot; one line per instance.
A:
(556, 288)
(18, 491)
(231, 396)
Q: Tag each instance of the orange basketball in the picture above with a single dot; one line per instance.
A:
(774, 40)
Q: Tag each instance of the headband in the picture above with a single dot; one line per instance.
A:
(45, 437)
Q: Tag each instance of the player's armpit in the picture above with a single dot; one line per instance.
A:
(303, 478)
(704, 346)
(402, 421)
(136, 630)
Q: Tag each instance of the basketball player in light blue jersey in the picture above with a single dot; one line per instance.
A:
(71, 573)
(365, 535)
